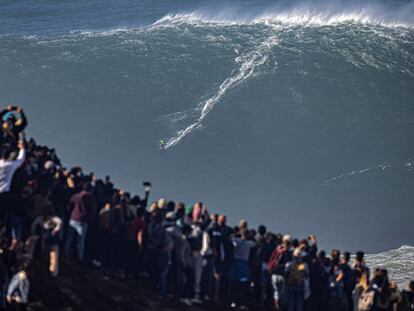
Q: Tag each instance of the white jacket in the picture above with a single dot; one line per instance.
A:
(7, 170)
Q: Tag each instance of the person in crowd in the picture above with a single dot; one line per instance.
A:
(11, 125)
(381, 286)
(18, 289)
(48, 228)
(184, 260)
(104, 239)
(196, 242)
(306, 258)
(160, 247)
(218, 255)
(327, 279)
(8, 168)
(266, 249)
(175, 233)
(82, 207)
(338, 299)
(276, 267)
(315, 286)
(297, 271)
(407, 298)
(6, 261)
(239, 273)
(348, 280)
(226, 232)
(137, 231)
(359, 264)
(361, 288)
(395, 295)
(256, 262)
(207, 252)
(119, 230)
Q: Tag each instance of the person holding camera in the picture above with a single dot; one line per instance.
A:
(12, 125)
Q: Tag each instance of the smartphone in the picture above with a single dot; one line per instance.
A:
(147, 185)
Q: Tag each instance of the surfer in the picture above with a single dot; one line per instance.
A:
(163, 144)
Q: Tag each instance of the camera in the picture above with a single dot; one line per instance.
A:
(147, 186)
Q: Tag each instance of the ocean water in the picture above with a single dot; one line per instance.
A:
(298, 115)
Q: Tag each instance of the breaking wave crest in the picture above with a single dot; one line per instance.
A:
(300, 16)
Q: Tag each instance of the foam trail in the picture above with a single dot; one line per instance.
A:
(383, 166)
(249, 62)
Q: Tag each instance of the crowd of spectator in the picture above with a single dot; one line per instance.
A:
(185, 252)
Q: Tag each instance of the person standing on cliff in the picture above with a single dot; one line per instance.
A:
(160, 247)
(7, 169)
(11, 126)
(48, 227)
(82, 206)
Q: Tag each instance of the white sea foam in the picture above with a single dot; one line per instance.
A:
(407, 165)
(399, 263)
(103, 33)
(248, 63)
(304, 15)
(301, 15)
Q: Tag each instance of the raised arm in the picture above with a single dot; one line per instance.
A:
(21, 156)
(144, 202)
(23, 123)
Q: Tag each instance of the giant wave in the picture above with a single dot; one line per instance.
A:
(345, 24)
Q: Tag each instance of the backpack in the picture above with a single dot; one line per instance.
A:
(275, 263)
(366, 301)
(296, 274)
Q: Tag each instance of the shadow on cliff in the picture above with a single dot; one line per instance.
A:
(84, 288)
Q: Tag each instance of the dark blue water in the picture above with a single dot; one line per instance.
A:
(296, 115)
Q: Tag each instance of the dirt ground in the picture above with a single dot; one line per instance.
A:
(85, 288)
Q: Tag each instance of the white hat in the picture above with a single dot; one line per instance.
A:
(287, 238)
